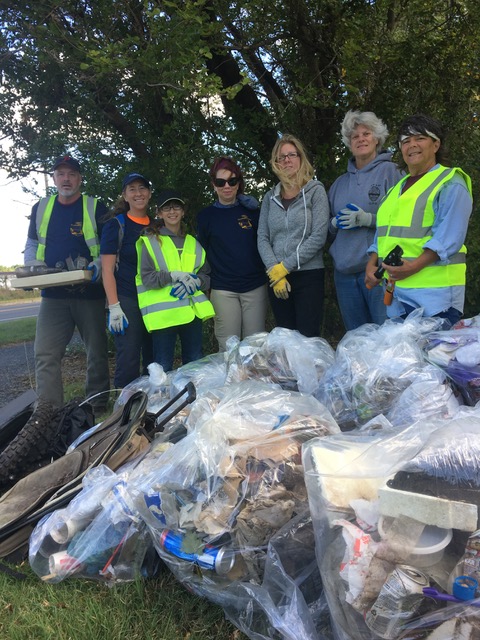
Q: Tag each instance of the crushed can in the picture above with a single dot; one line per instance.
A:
(218, 559)
(398, 600)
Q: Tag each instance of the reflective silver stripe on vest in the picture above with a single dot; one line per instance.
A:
(165, 306)
(458, 258)
(161, 258)
(42, 206)
(162, 264)
(92, 242)
(415, 230)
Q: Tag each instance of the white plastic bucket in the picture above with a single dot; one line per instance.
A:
(429, 548)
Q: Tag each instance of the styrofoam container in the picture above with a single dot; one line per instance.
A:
(429, 548)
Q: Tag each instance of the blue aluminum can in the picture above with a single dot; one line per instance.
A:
(218, 559)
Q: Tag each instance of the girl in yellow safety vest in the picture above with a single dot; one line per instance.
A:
(172, 281)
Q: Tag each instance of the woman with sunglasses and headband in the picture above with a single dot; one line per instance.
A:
(227, 230)
(291, 235)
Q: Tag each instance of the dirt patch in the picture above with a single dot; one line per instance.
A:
(17, 370)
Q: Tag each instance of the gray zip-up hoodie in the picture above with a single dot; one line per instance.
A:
(366, 188)
(295, 236)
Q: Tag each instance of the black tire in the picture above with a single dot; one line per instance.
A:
(31, 444)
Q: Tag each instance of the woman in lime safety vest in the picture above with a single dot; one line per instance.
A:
(426, 214)
(172, 279)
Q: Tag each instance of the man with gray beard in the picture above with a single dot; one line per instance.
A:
(64, 232)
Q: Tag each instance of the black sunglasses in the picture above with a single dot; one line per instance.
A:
(221, 182)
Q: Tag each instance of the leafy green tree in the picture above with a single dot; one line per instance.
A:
(162, 86)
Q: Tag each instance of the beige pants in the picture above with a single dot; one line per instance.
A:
(238, 314)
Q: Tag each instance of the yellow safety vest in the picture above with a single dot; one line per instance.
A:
(407, 218)
(160, 309)
(89, 225)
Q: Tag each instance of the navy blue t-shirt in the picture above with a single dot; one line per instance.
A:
(65, 239)
(229, 237)
(127, 264)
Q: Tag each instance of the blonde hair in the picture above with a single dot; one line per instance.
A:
(305, 172)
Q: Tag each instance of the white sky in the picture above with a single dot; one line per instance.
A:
(14, 209)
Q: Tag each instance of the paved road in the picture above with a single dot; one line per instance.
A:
(17, 310)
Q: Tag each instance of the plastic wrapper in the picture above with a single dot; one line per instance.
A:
(98, 536)
(156, 385)
(207, 374)
(283, 357)
(447, 466)
(214, 500)
(392, 515)
(457, 353)
(373, 366)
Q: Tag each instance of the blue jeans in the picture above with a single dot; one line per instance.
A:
(358, 305)
(164, 341)
(451, 314)
(134, 347)
(303, 310)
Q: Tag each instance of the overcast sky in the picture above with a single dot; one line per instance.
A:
(14, 209)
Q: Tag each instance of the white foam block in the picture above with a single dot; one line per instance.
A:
(339, 473)
(447, 514)
(52, 279)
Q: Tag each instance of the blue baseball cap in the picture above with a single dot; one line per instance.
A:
(131, 177)
(68, 161)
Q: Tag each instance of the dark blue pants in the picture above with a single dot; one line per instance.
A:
(304, 308)
(134, 347)
(164, 341)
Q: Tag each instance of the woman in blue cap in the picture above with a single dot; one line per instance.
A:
(129, 217)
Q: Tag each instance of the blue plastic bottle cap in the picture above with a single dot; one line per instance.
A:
(464, 587)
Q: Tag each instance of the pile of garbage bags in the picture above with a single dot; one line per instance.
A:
(313, 494)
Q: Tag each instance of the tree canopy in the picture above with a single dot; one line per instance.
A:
(162, 86)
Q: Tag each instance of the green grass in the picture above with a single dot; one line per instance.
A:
(17, 331)
(155, 609)
(14, 295)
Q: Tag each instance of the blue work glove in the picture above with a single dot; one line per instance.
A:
(190, 280)
(96, 268)
(117, 320)
(179, 291)
(353, 217)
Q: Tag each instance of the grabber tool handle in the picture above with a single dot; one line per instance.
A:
(191, 394)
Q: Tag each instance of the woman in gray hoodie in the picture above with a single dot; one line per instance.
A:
(292, 232)
(354, 200)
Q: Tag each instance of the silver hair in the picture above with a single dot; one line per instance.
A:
(353, 118)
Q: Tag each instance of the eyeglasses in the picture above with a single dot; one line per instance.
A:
(288, 156)
(221, 182)
(168, 207)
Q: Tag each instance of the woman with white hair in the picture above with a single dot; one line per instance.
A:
(354, 200)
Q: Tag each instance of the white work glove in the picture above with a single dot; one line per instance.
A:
(190, 280)
(179, 291)
(96, 268)
(117, 320)
(353, 217)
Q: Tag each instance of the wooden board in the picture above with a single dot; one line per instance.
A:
(52, 279)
